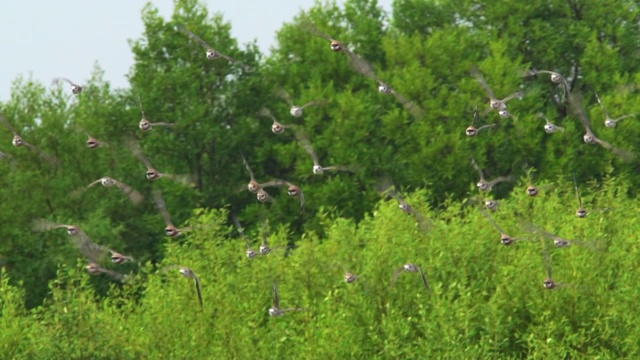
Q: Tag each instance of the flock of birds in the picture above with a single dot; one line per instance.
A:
(95, 253)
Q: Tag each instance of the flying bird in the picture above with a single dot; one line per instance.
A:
(367, 70)
(295, 110)
(153, 174)
(483, 184)
(134, 195)
(549, 127)
(292, 189)
(212, 54)
(170, 230)
(505, 239)
(95, 269)
(250, 252)
(118, 258)
(18, 141)
(557, 240)
(188, 273)
(75, 88)
(146, 125)
(549, 283)
(412, 268)
(555, 77)
(388, 189)
(93, 143)
(608, 120)
(276, 127)
(275, 310)
(92, 251)
(581, 212)
(589, 137)
(494, 102)
(264, 247)
(472, 130)
(317, 168)
(533, 190)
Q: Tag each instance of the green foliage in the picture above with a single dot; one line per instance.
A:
(486, 299)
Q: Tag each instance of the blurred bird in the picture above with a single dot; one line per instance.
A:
(170, 230)
(250, 252)
(264, 247)
(472, 130)
(211, 52)
(589, 137)
(557, 240)
(608, 121)
(505, 239)
(276, 127)
(494, 102)
(292, 189)
(134, 195)
(153, 174)
(75, 88)
(549, 127)
(412, 268)
(549, 283)
(188, 273)
(386, 188)
(581, 212)
(533, 190)
(95, 269)
(275, 310)
(92, 251)
(556, 78)
(295, 111)
(367, 70)
(317, 168)
(18, 142)
(118, 258)
(146, 125)
(94, 143)
(483, 184)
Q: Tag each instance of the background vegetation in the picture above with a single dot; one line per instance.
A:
(486, 299)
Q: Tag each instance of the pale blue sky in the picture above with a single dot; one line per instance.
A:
(65, 38)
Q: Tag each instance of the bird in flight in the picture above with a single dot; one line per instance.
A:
(295, 110)
(170, 230)
(483, 184)
(153, 174)
(134, 195)
(412, 268)
(75, 88)
(549, 127)
(18, 141)
(589, 137)
(188, 273)
(275, 310)
(317, 168)
(472, 130)
(146, 125)
(494, 102)
(608, 120)
(211, 53)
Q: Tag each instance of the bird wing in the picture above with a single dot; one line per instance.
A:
(193, 36)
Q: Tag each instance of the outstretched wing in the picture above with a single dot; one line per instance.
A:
(193, 36)
(198, 288)
(276, 297)
(134, 195)
(162, 207)
(395, 276)
(424, 278)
